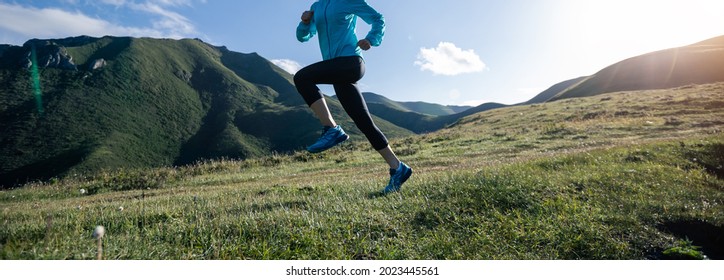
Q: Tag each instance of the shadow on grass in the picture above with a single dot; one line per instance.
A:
(43, 170)
(377, 194)
(702, 234)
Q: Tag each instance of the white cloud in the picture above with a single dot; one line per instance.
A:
(174, 23)
(288, 65)
(53, 22)
(114, 2)
(447, 59)
(173, 2)
(24, 22)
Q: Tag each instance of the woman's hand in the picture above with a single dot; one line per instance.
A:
(307, 17)
(364, 44)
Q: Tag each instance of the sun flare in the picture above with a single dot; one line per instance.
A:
(646, 24)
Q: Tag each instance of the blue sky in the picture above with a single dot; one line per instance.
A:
(448, 52)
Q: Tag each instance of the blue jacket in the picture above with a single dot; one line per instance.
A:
(335, 22)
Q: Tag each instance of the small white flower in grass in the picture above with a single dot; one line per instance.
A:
(98, 235)
(99, 232)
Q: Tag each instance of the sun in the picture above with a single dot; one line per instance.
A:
(647, 24)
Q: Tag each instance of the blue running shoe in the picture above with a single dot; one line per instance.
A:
(397, 178)
(331, 136)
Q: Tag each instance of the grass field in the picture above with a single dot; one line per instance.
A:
(632, 175)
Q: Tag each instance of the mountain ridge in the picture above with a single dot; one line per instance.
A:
(554, 90)
(698, 63)
(416, 106)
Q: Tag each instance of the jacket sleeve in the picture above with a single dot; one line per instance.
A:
(307, 31)
(371, 17)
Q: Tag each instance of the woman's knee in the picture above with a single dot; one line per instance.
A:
(299, 78)
(306, 88)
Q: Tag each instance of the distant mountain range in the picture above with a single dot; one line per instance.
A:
(420, 117)
(418, 107)
(85, 104)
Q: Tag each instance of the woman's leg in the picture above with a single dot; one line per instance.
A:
(321, 110)
(390, 157)
(343, 70)
(355, 106)
(306, 81)
(334, 71)
(344, 73)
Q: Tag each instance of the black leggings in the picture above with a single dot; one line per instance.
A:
(343, 73)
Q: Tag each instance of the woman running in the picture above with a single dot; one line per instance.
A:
(334, 22)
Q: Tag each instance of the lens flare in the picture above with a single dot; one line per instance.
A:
(35, 76)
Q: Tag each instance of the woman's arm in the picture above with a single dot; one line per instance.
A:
(371, 17)
(306, 28)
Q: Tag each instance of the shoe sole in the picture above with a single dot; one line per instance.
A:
(336, 142)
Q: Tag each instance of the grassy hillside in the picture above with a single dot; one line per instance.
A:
(630, 175)
(154, 103)
(554, 90)
(699, 63)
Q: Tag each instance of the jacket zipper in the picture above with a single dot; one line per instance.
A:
(326, 22)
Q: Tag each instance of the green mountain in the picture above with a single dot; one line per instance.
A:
(420, 117)
(700, 63)
(423, 123)
(417, 107)
(86, 104)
